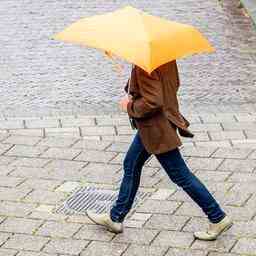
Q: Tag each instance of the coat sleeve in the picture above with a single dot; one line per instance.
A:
(151, 95)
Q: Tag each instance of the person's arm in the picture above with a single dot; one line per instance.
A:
(151, 100)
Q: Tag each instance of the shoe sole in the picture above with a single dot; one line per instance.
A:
(213, 239)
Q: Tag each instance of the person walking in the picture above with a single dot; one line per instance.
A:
(153, 109)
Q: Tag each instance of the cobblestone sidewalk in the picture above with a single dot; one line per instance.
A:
(42, 160)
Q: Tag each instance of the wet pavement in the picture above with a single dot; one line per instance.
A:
(42, 77)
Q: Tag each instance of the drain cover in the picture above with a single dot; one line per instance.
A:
(96, 199)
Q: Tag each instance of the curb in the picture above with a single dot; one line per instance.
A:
(250, 6)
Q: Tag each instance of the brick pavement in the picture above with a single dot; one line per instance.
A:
(39, 170)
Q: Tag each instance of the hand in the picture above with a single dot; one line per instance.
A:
(123, 103)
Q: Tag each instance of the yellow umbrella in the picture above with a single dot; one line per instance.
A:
(142, 39)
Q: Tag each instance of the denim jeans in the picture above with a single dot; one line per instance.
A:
(177, 170)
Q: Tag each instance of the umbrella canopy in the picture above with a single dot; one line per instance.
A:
(142, 39)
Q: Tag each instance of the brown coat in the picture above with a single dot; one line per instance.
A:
(154, 106)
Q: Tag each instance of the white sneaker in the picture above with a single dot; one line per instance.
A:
(214, 230)
(105, 220)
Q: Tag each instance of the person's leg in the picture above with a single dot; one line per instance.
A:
(133, 163)
(179, 173)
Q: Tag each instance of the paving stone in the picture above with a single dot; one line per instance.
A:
(213, 118)
(166, 222)
(185, 252)
(44, 197)
(41, 184)
(190, 209)
(220, 143)
(245, 246)
(241, 187)
(118, 147)
(7, 252)
(102, 173)
(154, 206)
(212, 175)
(13, 194)
(4, 237)
(253, 156)
(250, 134)
(98, 130)
(198, 151)
(95, 156)
(58, 229)
(237, 165)
(5, 148)
(34, 254)
(45, 208)
(243, 229)
(68, 187)
(15, 209)
(77, 122)
(162, 194)
(203, 163)
(27, 132)
(5, 170)
(243, 177)
(173, 239)
(79, 219)
(244, 117)
(134, 223)
(180, 196)
(30, 162)
(227, 135)
(62, 132)
(119, 138)
(247, 143)
(42, 123)
(199, 136)
(147, 181)
(64, 174)
(222, 244)
(66, 246)
(25, 151)
(140, 216)
(205, 127)
(57, 142)
(26, 242)
(240, 213)
(118, 159)
(230, 126)
(20, 225)
(136, 236)
(94, 232)
(7, 181)
(125, 130)
(49, 216)
(30, 172)
(65, 164)
(91, 144)
(137, 250)
(221, 254)
(22, 140)
(100, 248)
(110, 121)
(4, 160)
(11, 124)
(232, 153)
(196, 224)
(61, 153)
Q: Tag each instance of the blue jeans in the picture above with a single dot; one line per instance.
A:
(176, 168)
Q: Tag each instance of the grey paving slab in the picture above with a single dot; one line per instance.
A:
(41, 184)
(218, 144)
(26, 242)
(136, 236)
(118, 147)
(95, 156)
(13, 194)
(4, 237)
(204, 163)
(198, 151)
(136, 250)
(111, 121)
(61, 153)
(213, 118)
(65, 164)
(91, 144)
(242, 177)
(173, 239)
(20, 225)
(44, 196)
(212, 175)
(30, 172)
(5, 170)
(57, 142)
(226, 135)
(125, 130)
(25, 151)
(65, 246)
(34, 254)
(223, 244)
(211, 127)
(185, 252)
(189, 209)
(108, 249)
(119, 138)
(22, 140)
(4, 160)
(233, 153)
(30, 162)
(63, 132)
(42, 123)
(245, 246)
(58, 229)
(230, 126)
(166, 222)
(161, 207)
(98, 130)
(118, 159)
(27, 132)
(7, 181)
(8, 252)
(237, 165)
(94, 232)
(11, 124)
(5, 148)
(77, 122)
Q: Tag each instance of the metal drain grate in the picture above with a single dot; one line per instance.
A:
(96, 199)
